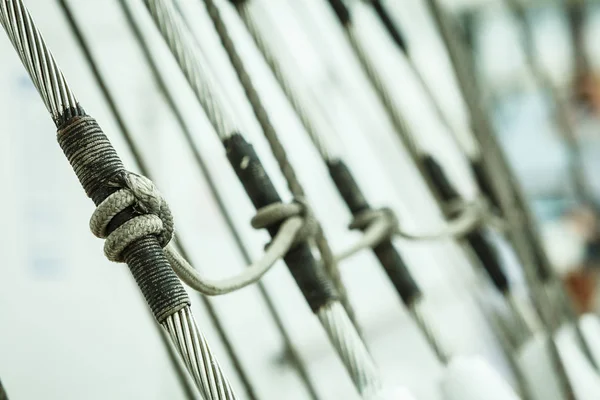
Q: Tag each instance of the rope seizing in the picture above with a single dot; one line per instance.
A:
(100, 172)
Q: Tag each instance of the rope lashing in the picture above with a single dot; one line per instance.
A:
(381, 224)
(140, 193)
(297, 225)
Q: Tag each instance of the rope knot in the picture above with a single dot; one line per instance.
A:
(385, 217)
(152, 215)
(277, 213)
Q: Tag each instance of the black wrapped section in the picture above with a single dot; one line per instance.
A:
(389, 25)
(99, 170)
(3, 395)
(484, 183)
(444, 188)
(541, 263)
(385, 251)
(306, 270)
(487, 255)
(480, 244)
(341, 11)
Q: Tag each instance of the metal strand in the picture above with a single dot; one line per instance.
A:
(36, 58)
(192, 62)
(61, 102)
(199, 360)
(351, 349)
(290, 349)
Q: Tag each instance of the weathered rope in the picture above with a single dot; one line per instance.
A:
(139, 192)
(382, 224)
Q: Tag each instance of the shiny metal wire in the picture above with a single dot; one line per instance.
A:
(315, 124)
(36, 58)
(354, 354)
(418, 315)
(193, 64)
(383, 93)
(59, 99)
(197, 356)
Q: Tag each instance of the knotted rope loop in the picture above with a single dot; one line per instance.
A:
(377, 225)
(277, 213)
(382, 224)
(295, 221)
(140, 193)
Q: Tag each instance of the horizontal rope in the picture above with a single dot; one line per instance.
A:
(140, 192)
(382, 224)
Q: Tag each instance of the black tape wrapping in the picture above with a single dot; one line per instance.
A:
(99, 169)
(385, 251)
(392, 29)
(483, 249)
(308, 273)
(341, 11)
(484, 184)
(540, 260)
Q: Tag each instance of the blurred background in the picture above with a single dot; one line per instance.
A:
(74, 326)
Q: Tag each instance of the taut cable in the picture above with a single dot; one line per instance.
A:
(101, 173)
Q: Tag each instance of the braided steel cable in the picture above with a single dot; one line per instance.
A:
(362, 369)
(289, 347)
(63, 106)
(323, 135)
(352, 350)
(47, 78)
(314, 122)
(197, 356)
(279, 152)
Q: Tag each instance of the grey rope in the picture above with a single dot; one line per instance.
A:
(75, 127)
(382, 224)
(141, 192)
(290, 350)
(279, 153)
